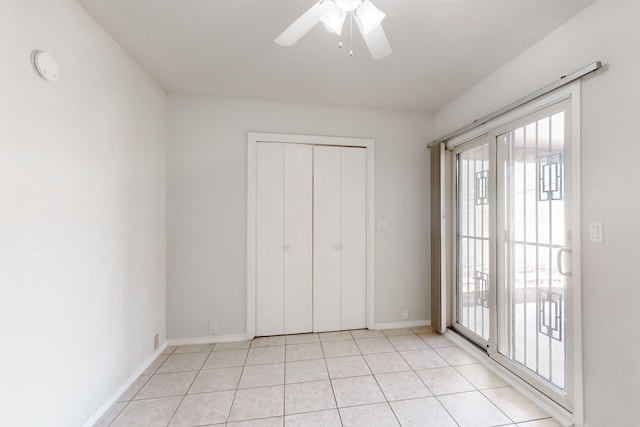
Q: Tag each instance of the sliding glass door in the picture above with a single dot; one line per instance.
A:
(514, 281)
(472, 241)
(533, 248)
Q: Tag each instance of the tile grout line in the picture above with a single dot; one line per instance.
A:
(494, 404)
(420, 378)
(284, 384)
(235, 392)
(136, 393)
(381, 390)
(118, 414)
(190, 385)
(314, 381)
(333, 391)
(476, 389)
(428, 388)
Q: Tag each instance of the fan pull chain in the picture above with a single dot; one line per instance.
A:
(351, 35)
(340, 44)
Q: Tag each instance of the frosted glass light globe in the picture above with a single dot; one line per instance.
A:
(348, 5)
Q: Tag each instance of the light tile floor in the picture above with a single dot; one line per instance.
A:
(399, 377)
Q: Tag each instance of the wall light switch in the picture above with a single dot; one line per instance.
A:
(595, 232)
(381, 224)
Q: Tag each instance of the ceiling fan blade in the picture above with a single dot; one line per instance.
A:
(376, 41)
(303, 24)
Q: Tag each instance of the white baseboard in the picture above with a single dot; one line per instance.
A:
(209, 339)
(557, 412)
(89, 422)
(403, 324)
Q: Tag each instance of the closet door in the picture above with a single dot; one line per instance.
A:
(269, 239)
(339, 238)
(298, 229)
(284, 239)
(326, 232)
(354, 238)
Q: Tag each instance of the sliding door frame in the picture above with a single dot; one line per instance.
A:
(253, 138)
(453, 165)
(551, 391)
(573, 407)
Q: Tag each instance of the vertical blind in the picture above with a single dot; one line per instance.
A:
(437, 273)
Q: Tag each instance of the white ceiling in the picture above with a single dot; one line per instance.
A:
(225, 48)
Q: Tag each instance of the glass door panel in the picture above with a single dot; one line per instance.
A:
(531, 285)
(472, 243)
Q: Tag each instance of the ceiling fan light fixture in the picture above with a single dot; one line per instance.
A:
(369, 16)
(334, 19)
(348, 5)
(332, 14)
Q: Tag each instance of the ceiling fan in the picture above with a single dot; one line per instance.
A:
(333, 14)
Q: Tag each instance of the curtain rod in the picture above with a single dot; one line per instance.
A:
(564, 80)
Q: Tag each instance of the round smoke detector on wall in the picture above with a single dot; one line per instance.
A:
(44, 65)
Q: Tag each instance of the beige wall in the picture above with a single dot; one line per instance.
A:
(82, 216)
(608, 32)
(207, 205)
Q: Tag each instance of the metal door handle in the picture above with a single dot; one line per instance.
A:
(559, 261)
(337, 247)
(286, 247)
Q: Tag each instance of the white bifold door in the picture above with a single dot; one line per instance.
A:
(284, 238)
(340, 240)
(310, 238)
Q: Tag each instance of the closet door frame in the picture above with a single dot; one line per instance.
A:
(253, 138)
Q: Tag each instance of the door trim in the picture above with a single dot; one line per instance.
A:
(253, 138)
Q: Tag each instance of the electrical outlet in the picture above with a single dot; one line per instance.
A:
(213, 327)
(405, 314)
(156, 342)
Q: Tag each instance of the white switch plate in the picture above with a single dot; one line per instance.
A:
(381, 224)
(595, 232)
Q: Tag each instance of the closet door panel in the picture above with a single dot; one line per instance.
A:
(269, 239)
(298, 232)
(326, 269)
(354, 238)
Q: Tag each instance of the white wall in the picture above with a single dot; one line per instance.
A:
(607, 31)
(82, 216)
(207, 187)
